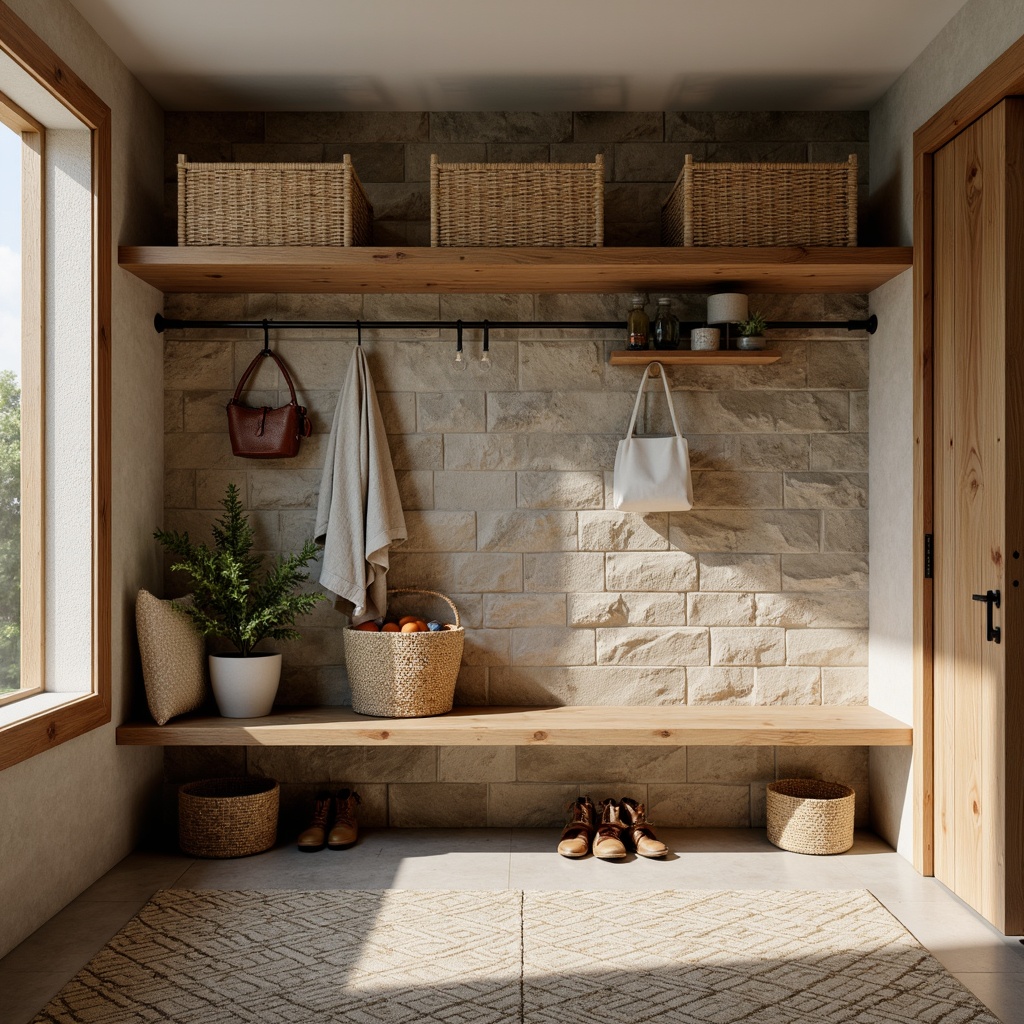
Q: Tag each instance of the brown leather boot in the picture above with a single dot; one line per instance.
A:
(315, 837)
(638, 832)
(576, 836)
(345, 830)
(608, 844)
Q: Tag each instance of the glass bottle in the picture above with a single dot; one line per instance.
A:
(666, 326)
(638, 322)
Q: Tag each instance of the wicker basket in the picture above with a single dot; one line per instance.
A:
(272, 204)
(404, 675)
(810, 816)
(762, 204)
(228, 817)
(517, 204)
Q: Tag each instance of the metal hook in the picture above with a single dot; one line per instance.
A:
(266, 338)
(460, 362)
(359, 334)
(485, 356)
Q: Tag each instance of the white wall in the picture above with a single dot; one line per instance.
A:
(974, 38)
(68, 815)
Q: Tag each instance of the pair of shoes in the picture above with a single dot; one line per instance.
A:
(623, 827)
(333, 823)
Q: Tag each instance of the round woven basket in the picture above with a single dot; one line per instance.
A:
(227, 817)
(404, 675)
(810, 816)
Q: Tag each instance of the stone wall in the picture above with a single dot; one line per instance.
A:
(759, 595)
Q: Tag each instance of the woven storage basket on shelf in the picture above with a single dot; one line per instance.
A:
(762, 204)
(227, 817)
(517, 204)
(810, 816)
(405, 675)
(272, 204)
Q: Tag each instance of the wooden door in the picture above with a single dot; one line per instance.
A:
(978, 480)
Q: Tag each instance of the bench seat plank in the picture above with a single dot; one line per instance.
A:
(666, 725)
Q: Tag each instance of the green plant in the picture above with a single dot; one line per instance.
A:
(234, 597)
(753, 326)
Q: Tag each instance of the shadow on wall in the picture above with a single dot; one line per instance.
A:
(881, 224)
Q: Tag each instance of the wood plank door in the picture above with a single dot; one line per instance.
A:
(979, 543)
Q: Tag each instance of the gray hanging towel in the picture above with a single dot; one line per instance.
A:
(359, 515)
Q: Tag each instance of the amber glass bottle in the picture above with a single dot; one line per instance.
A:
(639, 322)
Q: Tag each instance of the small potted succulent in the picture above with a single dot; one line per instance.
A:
(236, 599)
(751, 337)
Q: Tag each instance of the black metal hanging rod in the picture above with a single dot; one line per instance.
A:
(163, 323)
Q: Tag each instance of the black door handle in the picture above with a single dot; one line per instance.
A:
(990, 597)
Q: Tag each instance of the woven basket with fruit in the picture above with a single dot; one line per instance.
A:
(406, 667)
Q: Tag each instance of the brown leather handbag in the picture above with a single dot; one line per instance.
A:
(266, 433)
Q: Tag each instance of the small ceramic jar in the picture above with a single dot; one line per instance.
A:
(704, 339)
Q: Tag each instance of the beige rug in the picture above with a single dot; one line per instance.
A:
(392, 957)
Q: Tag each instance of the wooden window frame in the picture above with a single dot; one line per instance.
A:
(1003, 77)
(81, 712)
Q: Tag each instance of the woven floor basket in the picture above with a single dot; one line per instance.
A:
(810, 816)
(272, 204)
(227, 817)
(762, 204)
(517, 204)
(404, 675)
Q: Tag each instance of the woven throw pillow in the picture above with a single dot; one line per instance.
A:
(173, 657)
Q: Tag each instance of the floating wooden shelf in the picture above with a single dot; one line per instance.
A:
(372, 269)
(528, 726)
(622, 357)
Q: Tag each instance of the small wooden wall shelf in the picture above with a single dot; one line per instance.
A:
(375, 269)
(529, 726)
(622, 357)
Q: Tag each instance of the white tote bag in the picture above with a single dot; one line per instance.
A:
(652, 474)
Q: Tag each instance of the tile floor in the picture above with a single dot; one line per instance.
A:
(988, 963)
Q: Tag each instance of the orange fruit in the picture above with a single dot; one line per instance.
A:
(406, 619)
(390, 627)
(411, 627)
(367, 627)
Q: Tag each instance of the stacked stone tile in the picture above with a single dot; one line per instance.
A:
(759, 595)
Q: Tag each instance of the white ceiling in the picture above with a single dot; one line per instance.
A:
(517, 54)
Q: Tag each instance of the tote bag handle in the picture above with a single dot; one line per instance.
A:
(640, 395)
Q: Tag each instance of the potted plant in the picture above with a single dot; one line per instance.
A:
(235, 598)
(751, 330)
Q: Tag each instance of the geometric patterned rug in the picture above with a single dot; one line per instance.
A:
(497, 957)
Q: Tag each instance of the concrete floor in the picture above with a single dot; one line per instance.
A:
(989, 964)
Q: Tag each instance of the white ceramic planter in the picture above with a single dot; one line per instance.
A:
(245, 687)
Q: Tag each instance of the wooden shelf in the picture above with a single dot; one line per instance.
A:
(372, 269)
(622, 357)
(519, 726)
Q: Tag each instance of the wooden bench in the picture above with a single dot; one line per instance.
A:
(668, 725)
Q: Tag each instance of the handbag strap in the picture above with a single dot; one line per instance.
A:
(252, 366)
(640, 394)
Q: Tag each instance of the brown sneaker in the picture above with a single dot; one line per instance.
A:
(575, 840)
(345, 830)
(315, 837)
(608, 844)
(638, 832)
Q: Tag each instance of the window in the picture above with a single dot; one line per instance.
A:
(54, 399)
(20, 353)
